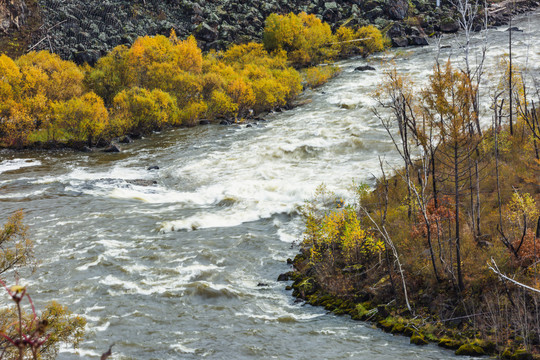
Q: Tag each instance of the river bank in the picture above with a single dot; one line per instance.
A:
(445, 248)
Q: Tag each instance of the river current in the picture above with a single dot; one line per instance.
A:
(186, 268)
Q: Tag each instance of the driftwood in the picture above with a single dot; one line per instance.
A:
(493, 267)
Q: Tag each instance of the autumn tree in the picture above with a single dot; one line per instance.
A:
(83, 118)
(142, 111)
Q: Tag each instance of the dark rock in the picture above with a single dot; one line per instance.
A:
(101, 143)
(89, 57)
(449, 25)
(398, 9)
(225, 122)
(87, 149)
(113, 148)
(206, 32)
(249, 125)
(263, 285)
(126, 140)
(154, 167)
(204, 122)
(400, 41)
(420, 40)
(364, 68)
(515, 29)
(283, 277)
(289, 261)
(142, 182)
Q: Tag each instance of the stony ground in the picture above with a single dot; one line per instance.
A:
(86, 30)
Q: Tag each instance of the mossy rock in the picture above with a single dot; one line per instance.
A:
(449, 343)
(398, 328)
(387, 324)
(488, 346)
(522, 355)
(470, 349)
(361, 312)
(418, 339)
(409, 331)
(306, 287)
(507, 354)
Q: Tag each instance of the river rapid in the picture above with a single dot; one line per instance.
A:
(186, 268)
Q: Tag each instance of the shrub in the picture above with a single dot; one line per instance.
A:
(319, 75)
(142, 111)
(82, 118)
(305, 38)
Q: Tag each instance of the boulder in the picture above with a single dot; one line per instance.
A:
(398, 9)
(13, 14)
(515, 29)
(126, 140)
(206, 32)
(470, 350)
(401, 41)
(449, 25)
(420, 40)
(364, 68)
(113, 148)
(154, 167)
(283, 277)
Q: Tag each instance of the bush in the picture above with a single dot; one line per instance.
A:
(305, 38)
(142, 111)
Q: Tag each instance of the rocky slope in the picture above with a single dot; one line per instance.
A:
(85, 30)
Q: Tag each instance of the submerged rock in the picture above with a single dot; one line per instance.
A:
(364, 68)
(142, 182)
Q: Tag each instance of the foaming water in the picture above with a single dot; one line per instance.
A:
(181, 262)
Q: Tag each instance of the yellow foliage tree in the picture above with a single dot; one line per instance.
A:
(221, 105)
(142, 111)
(81, 118)
(57, 78)
(110, 75)
(306, 38)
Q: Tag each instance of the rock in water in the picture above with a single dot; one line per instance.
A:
(113, 148)
(142, 182)
(364, 68)
(154, 167)
(515, 29)
(126, 140)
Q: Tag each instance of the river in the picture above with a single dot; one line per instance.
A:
(186, 268)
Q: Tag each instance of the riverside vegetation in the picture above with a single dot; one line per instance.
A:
(161, 82)
(446, 249)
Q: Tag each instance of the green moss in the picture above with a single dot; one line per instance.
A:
(449, 343)
(522, 355)
(387, 324)
(418, 339)
(470, 349)
(409, 331)
(507, 354)
(398, 328)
